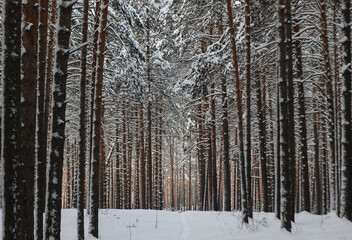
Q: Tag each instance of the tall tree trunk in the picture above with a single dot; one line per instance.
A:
(54, 174)
(94, 208)
(82, 127)
(238, 90)
(172, 186)
(329, 96)
(149, 115)
(137, 162)
(28, 112)
(262, 143)
(317, 197)
(142, 159)
(248, 149)
(302, 124)
(124, 155)
(11, 124)
(160, 169)
(283, 119)
(93, 77)
(290, 105)
(225, 139)
(118, 171)
(346, 153)
(42, 132)
(335, 198)
(214, 201)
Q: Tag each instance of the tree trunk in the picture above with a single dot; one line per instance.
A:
(28, 112)
(93, 77)
(11, 124)
(283, 120)
(54, 178)
(346, 153)
(142, 159)
(82, 127)
(248, 153)
(42, 132)
(94, 198)
(302, 125)
(262, 144)
(239, 113)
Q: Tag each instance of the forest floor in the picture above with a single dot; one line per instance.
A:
(193, 225)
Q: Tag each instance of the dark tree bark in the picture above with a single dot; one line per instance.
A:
(172, 193)
(225, 139)
(149, 115)
(118, 171)
(42, 132)
(28, 113)
(142, 158)
(346, 142)
(124, 157)
(318, 194)
(54, 178)
(137, 161)
(95, 171)
(262, 143)
(214, 201)
(335, 196)
(160, 169)
(302, 125)
(82, 127)
(93, 77)
(239, 114)
(11, 79)
(248, 149)
(283, 119)
(290, 104)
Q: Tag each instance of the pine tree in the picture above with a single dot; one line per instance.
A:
(346, 154)
(54, 173)
(12, 200)
(82, 130)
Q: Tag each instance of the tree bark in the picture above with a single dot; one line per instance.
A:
(28, 112)
(346, 142)
(54, 174)
(283, 119)
(42, 132)
(11, 124)
(94, 208)
(248, 153)
(82, 127)
(245, 209)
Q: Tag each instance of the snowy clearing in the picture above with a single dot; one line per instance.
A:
(141, 225)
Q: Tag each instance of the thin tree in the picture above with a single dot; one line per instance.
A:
(248, 153)
(82, 127)
(346, 153)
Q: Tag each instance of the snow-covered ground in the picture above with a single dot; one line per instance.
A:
(167, 225)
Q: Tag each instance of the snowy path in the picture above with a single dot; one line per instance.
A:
(166, 225)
